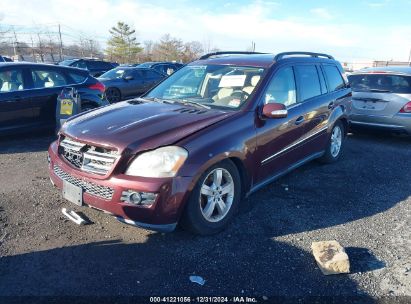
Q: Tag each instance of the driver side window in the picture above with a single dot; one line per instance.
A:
(281, 88)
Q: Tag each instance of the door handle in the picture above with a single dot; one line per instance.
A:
(299, 120)
(331, 105)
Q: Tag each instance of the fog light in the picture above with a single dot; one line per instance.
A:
(138, 198)
(135, 198)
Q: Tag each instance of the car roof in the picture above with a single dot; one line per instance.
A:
(35, 64)
(256, 60)
(386, 70)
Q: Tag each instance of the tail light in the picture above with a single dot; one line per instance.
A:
(406, 108)
(97, 86)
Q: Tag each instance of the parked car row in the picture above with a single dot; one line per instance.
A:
(94, 66)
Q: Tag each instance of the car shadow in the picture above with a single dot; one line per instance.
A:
(32, 142)
(371, 177)
(162, 266)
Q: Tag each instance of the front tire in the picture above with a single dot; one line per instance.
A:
(335, 144)
(214, 200)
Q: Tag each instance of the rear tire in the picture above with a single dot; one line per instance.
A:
(214, 200)
(113, 95)
(335, 144)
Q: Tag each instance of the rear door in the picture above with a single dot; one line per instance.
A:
(15, 107)
(151, 77)
(47, 83)
(313, 93)
(379, 95)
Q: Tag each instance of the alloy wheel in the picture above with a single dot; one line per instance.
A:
(216, 195)
(336, 141)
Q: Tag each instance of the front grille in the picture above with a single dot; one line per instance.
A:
(86, 157)
(91, 188)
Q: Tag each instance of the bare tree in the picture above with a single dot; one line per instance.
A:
(168, 49)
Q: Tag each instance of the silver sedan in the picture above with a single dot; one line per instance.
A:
(382, 98)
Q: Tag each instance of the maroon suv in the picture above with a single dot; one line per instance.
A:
(212, 133)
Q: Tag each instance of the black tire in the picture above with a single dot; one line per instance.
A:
(329, 156)
(113, 95)
(193, 218)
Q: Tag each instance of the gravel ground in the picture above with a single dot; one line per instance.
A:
(363, 201)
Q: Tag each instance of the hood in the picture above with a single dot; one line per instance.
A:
(130, 126)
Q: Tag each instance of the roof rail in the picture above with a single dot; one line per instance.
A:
(206, 56)
(284, 54)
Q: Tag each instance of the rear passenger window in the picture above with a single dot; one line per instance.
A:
(335, 81)
(47, 78)
(309, 83)
(11, 81)
(77, 77)
(151, 74)
(282, 88)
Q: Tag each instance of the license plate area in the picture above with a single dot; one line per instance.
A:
(73, 193)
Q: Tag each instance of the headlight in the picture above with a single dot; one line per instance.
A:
(162, 162)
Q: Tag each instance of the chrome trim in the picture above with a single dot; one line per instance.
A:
(71, 145)
(279, 112)
(84, 157)
(103, 192)
(294, 144)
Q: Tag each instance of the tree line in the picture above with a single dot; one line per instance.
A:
(122, 47)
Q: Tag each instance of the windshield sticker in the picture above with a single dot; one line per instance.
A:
(234, 103)
(232, 81)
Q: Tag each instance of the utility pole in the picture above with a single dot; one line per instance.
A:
(41, 48)
(61, 44)
(32, 49)
(14, 45)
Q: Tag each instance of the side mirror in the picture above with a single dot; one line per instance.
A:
(128, 77)
(275, 110)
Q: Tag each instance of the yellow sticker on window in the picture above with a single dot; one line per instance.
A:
(66, 107)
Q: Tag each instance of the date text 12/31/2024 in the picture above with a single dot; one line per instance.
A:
(239, 299)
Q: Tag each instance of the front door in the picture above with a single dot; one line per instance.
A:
(15, 107)
(278, 140)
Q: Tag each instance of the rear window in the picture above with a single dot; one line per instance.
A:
(335, 81)
(78, 78)
(380, 83)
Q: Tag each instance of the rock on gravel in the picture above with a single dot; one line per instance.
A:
(331, 257)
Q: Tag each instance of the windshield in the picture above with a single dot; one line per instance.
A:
(116, 73)
(380, 83)
(209, 85)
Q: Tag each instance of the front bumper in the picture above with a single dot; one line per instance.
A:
(400, 122)
(105, 194)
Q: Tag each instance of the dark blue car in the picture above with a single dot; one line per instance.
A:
(28, 94)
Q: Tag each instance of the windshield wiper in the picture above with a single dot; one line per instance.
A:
(185, 102)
